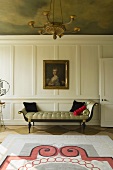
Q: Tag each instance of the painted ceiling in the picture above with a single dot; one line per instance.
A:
(94, 17)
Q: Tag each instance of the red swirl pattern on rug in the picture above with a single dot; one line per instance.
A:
(54, 154)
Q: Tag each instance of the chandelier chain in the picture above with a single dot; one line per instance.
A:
(53, 10)
(61, 11)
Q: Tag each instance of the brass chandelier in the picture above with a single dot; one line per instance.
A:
(52, 27)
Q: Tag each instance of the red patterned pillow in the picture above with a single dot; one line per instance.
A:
(78, 111)
(76, 105)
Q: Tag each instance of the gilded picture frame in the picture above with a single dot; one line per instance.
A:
(56, 74)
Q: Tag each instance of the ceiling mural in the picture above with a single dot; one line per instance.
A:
(94, 17)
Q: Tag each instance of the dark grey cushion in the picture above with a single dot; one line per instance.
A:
(30, 107)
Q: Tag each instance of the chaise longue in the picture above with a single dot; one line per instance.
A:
(32, 115)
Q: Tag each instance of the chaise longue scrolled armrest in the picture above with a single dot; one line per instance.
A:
(59, 116)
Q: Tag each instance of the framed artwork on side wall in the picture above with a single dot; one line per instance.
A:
(56, 74)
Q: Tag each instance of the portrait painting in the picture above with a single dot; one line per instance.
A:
(56, 74)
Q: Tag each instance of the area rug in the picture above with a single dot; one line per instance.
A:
(53, 152)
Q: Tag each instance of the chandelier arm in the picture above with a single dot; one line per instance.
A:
(69, 22)
(42, 32)
(32, 23)
(48, 18)
(37, 27)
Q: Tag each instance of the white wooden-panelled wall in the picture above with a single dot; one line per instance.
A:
(21, 64)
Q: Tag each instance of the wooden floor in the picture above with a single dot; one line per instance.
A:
(55, 130)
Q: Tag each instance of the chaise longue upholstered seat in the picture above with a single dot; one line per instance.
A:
(59, 116)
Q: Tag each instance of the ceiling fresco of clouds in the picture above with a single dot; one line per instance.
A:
(94, 17)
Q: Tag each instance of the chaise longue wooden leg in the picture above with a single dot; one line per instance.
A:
(29, 126)
(83, 125)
